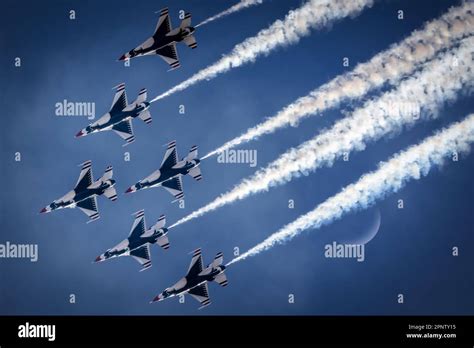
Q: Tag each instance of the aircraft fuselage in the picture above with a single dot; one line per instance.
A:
(108, 120)
(187, 283)
(155, 43)
(180, 168)
(129, 244)
(70, 199)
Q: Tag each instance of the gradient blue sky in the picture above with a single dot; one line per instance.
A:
(76, 60)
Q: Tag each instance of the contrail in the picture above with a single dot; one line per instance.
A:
(428, 89)
(387, 67)
(237, 7)
(297, 23)
(390, 177)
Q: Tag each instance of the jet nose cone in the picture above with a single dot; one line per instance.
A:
(79, 134)
(44, 210)
(98, 259)
(130, 189)
(156, 299)
(123, 57)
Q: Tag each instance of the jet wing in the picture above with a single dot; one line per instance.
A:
(190, 41)
(120, 101)
(125, 130)
(163, 26)
(201, 293)
(175, 187)
(171, 156)
(139, 225)
(196, 264)
(89, 207)
(169, 55)
(142, 255)
(85, 177)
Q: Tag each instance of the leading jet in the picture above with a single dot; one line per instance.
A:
(171, 171)
(120, 116)
(84, 195)
(195, 281)
(164, 39)
(138, 241)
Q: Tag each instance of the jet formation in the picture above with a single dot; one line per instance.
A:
(170, 173)
(84, 195)
(120, 116)
(164, 39)
(195, 282)
(138, 242)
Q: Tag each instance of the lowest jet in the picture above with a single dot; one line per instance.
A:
(195, 281)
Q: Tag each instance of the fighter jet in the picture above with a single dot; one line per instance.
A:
(84, 195)
(171, 171)
(163, 42)
(195, 281)
(138, 242)
(119, 118)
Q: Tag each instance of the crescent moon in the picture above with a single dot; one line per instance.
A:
(372, 232)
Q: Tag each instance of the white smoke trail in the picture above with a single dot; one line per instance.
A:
(386, 67)
(438, 82)
(297, 23)
(390, 177)
(243, 4)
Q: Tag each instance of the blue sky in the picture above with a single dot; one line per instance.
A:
(76, 60)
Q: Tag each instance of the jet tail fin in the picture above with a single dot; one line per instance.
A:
(218, 260)
(163, 242)
(186, 22)
(111, 193)
(108, 174)
(190, 41)
(142, 95)
(145, 116)
(221, 279)
(193, 153)
(160, 223)
(195, 172)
